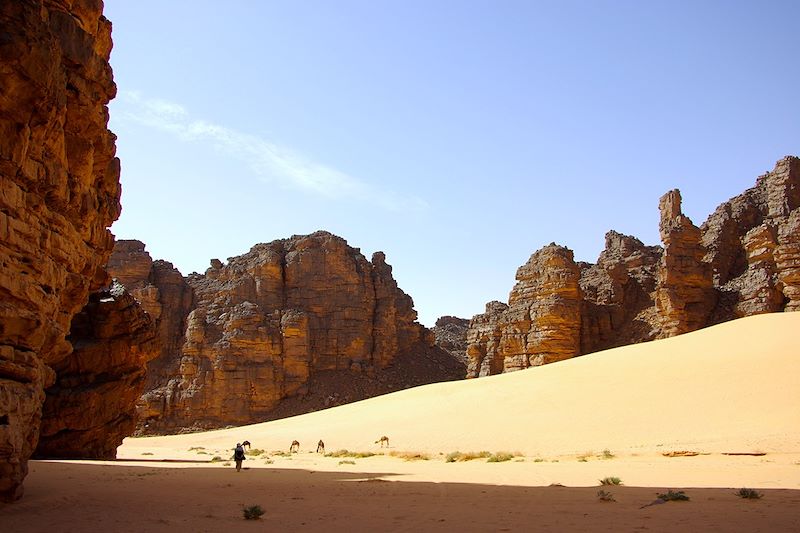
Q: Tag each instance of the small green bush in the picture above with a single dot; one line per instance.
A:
(217, 459)
(611, 481)
(605, 496)
(607, 454)
(347, 462)
(253, 512)
(147, 453)
(254, 452)
(673, 496)
(749, 494)
(193, 448)
(500, 457)
(538, 460)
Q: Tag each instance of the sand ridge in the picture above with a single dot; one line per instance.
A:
(729, 389)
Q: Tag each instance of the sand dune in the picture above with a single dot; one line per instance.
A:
(734, 387)
(730, 388)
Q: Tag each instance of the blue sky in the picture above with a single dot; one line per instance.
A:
(457, 136)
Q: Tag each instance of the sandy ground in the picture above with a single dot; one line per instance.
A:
(728, 390)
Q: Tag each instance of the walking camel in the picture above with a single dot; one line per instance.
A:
(382, 440)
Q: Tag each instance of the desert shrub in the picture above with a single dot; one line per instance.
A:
(253, 512)
(347, 462)
(268, 462)
(538, 460)
(147, 453)
(193, 448)
(453, 457)
(347, 453)
(584, 458)
(227, 463)
(500, 457)
(673, 495)
(605, 496)
(217, 459)
(607, 454)
(749, 494)
(254, 452)
(611, 481)
(410, 456)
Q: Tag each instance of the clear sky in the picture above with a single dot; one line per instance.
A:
(457, 136)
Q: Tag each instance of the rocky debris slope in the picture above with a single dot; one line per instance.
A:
(91, 406)
(450, 334)
(744, 260)
(59, 192)
(257, 329)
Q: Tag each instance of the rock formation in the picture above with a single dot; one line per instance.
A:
(59, 192)
(745, 259)
(256, 330)
(91, 407)
(618, 305)
(684, 294)
(541, 323)
(163, 292)
(450, 333)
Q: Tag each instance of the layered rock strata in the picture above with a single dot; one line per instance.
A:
(744, 260)
(541, 323)
(59, 192)
(685, 294)
(92, 405)
(257, 329)
(166, 296)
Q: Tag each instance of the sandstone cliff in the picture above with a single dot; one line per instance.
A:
(745, 259)
(257, 330)
(59, 192)
(91, 406)
(541, 323)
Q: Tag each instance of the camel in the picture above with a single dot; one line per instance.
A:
(295, 447)
(321, 447)
(382, 440)
(246, 444)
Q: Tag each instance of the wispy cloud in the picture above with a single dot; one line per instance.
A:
(269, 160)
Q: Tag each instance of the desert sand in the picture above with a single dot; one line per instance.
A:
(729, 395)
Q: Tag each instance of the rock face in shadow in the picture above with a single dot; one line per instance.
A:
(92, 405)
(618, 305)
(450, 333)
(744, 260)
(255, 330)
(59, 192)
(751, 244)
(161, 291)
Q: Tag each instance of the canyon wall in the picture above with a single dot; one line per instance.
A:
(744, 260)
(92, 405)
(248, 334)
(59, 192)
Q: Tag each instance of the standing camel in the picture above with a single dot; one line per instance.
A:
(321, 447)
(295, 447)
(382, 440)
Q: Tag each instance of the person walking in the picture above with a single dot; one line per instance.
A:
(238, 456)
